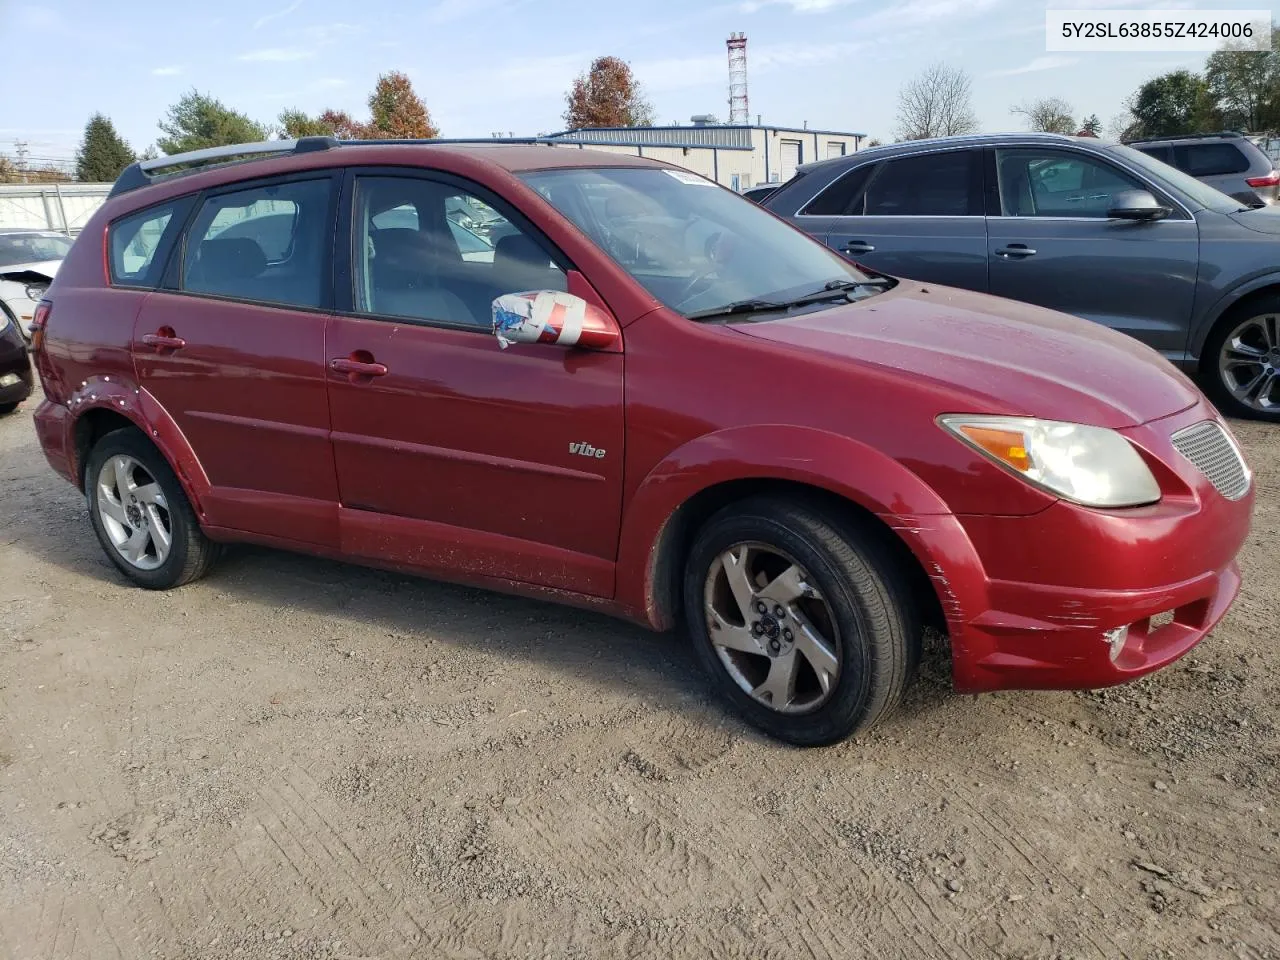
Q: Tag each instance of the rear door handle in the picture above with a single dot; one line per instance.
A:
(357, 368)
(161, 341)
(858, 246)
(1015, 251)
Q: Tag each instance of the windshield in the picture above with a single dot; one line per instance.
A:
(1201, 193)
(31, 248)
(696, 247)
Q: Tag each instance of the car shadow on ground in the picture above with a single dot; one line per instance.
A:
(55, 528)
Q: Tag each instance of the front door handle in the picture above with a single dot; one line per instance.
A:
(357, 368)
(858, 246)
(163, 340)
(1015, 251)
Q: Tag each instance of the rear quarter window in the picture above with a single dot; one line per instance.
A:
(139, 244)
(1210, 159)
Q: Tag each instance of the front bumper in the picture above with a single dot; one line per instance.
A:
(1037, 602)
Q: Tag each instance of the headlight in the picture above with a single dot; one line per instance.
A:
(1092, 466)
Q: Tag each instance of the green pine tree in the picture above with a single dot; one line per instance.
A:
(102, 154)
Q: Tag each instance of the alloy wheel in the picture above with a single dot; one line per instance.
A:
(1249, 363)
(772, 629)
(134, 513)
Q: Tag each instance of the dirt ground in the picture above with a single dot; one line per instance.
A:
(302, 759)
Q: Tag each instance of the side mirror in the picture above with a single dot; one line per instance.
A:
(1136, 205)
(552, 316)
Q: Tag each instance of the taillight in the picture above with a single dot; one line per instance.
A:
(1272, 179)
(38, 323)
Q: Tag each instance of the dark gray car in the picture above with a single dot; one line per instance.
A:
(1229, 162)
(1079, 225)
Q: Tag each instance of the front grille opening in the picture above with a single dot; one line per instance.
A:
(1211, 451)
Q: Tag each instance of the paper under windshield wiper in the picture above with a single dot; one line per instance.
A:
(832, 290)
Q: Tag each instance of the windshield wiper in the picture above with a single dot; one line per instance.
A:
(832, 290)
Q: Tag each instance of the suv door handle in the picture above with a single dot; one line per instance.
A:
(357, 368)
(1015, 251)
(163, 341)
(858, 246)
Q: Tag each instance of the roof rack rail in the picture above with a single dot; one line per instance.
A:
(1226, 134)
(144, 172)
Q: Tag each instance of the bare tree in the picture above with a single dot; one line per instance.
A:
(936, 103)
(1047, 115)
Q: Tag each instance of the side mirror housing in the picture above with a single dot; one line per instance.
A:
(1136, 205)
(553, 316)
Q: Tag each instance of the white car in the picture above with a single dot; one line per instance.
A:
(28, 261)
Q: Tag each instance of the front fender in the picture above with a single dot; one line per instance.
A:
(144, 411)
(817, 458)
(1224, 303)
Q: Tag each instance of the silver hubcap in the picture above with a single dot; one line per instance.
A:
(772, 629)
(1250, 362)
(134, 513)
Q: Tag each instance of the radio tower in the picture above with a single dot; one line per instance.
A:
(738, 110)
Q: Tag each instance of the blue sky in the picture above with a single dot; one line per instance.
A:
(503, 65)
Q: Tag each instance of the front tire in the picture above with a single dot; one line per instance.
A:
(1241, 361)
(141, 515)
(7, 408)
(804, 621)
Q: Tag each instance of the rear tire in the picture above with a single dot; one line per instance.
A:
(1240, 364)
(8, 408)
(830, 636)
(141, 515)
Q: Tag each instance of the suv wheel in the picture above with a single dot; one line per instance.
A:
(805, 625)
(1242, 361)
(141, 515)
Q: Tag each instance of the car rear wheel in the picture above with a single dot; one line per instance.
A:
(7, 408)
(1242, 361)
(141, 516)
(805, 623)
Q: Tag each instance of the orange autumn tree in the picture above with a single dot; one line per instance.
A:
(397, 113)
(607, 95)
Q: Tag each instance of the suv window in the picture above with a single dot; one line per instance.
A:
(133, 242)
(930, 185)
(1210, 159)
(265, 244)
(1160, 153)
(430, 251)
(843, 196)
(1048, 183)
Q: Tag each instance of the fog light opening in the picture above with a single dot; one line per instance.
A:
(1115, 640)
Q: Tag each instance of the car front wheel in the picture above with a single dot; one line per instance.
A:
(804, 622)
(1242, 362)
(141, 515)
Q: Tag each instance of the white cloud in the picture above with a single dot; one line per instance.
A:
(277, 55)
(279, 14)
(1035, 66)
(450, 11)
(166, 71)
(326, 33)
(798, 6)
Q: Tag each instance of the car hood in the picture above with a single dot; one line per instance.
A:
(998, 356)
(1261, 220)
(26, 272)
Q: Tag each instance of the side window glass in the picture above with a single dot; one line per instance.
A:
(429, 251)
(265, 244)
(841, 197)
(1211, 159)
(134, 242)
(930, 185)
(1043, 183)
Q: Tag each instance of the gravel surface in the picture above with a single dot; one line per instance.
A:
(302, 759)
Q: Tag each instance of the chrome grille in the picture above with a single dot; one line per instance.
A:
(1214, 454)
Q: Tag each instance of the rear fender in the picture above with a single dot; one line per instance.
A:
(144, 411)
(839, 465)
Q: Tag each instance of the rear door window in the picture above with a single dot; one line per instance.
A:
(266, 244)
(947, 184)
(1210, 159)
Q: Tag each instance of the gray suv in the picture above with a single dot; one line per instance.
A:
(1229, 162)
(1079, 225)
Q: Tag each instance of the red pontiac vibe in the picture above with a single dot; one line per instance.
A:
(691, 413)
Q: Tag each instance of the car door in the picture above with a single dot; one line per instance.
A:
(233, 347)
(1051, 243)
(919, 217)
(454, 455)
